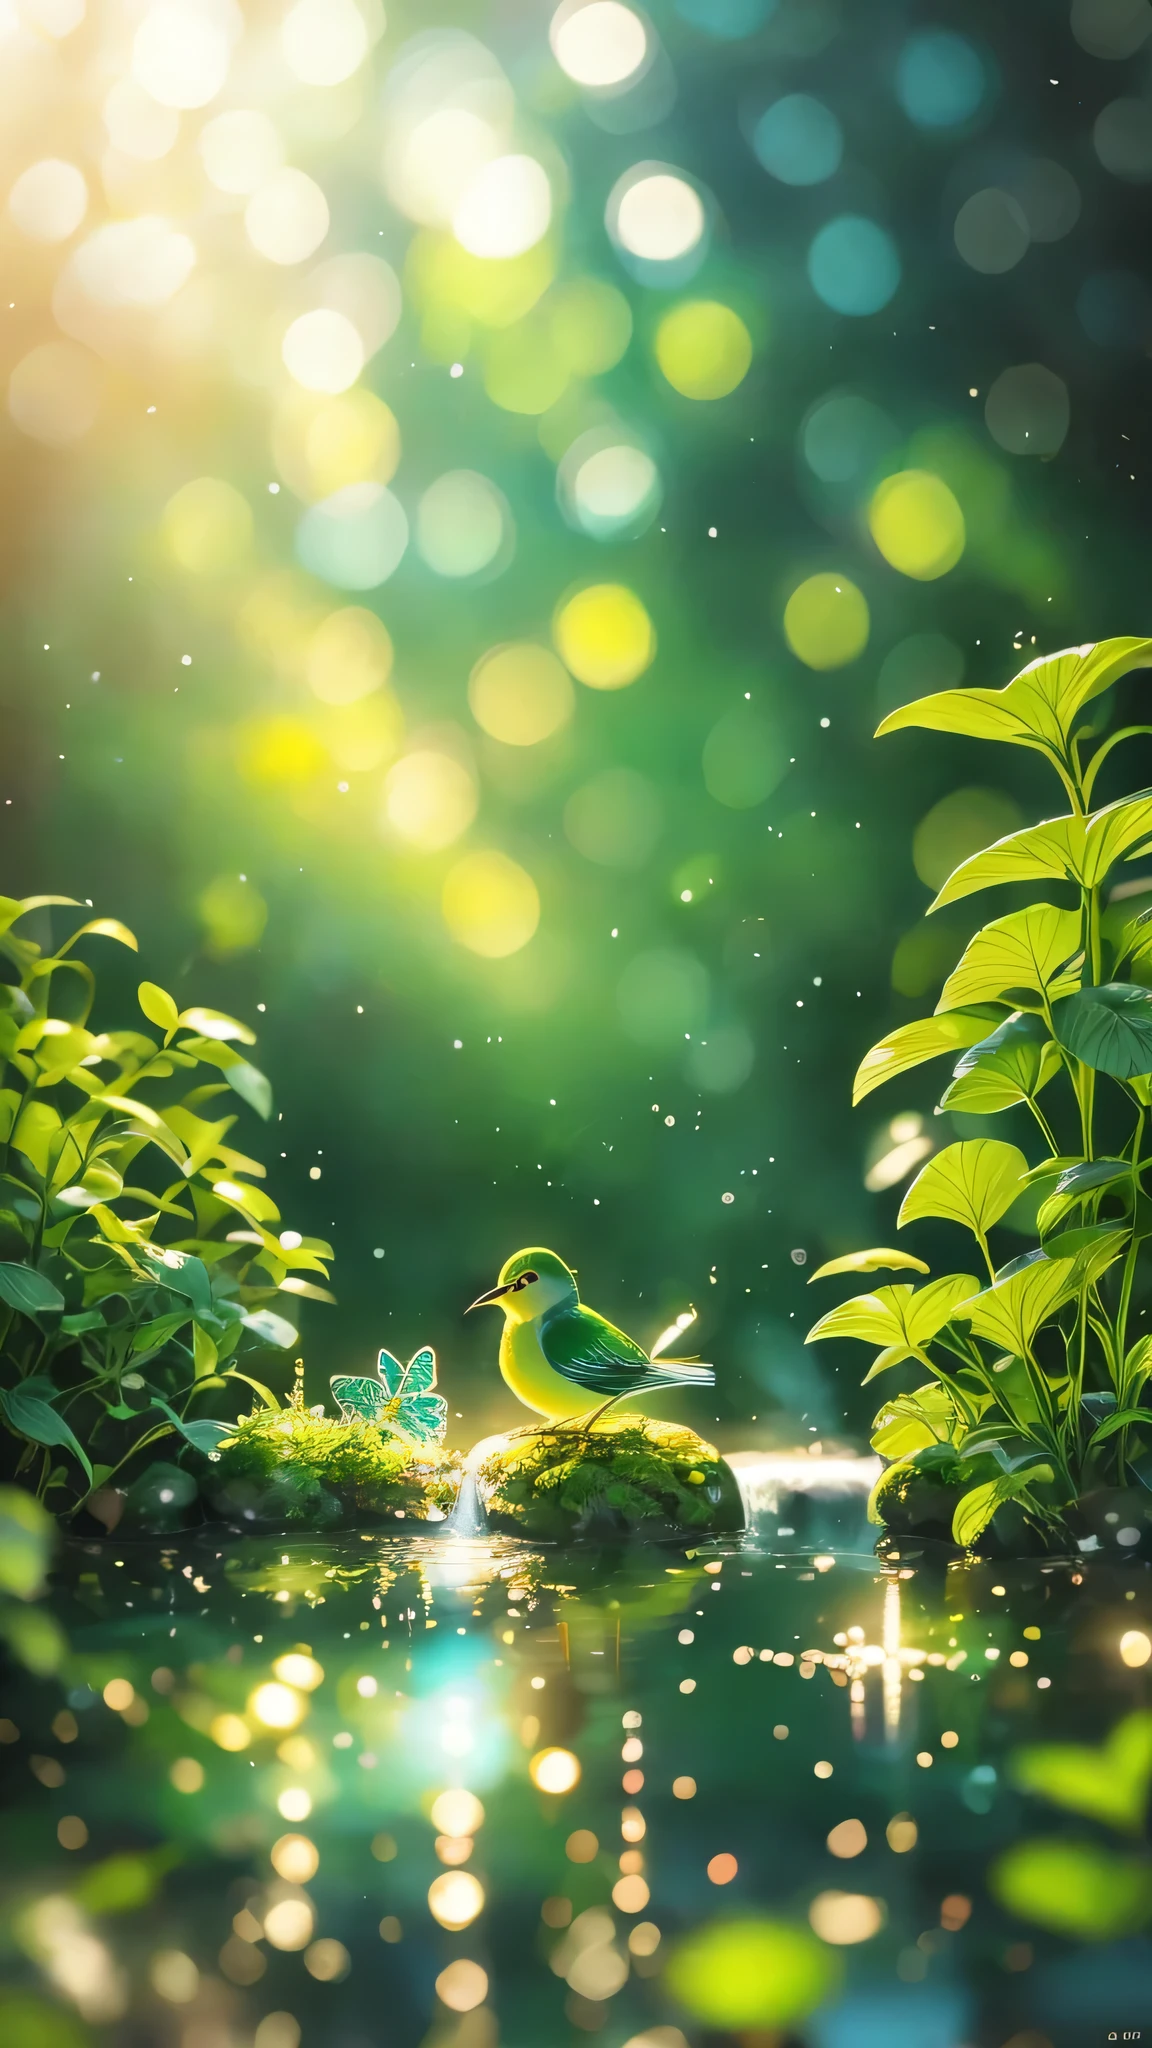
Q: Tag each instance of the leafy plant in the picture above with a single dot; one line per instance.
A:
(1034, 1368)
(139, 1259)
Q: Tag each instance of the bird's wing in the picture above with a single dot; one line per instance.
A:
(584, 1347)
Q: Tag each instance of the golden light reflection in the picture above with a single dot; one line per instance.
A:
(430, 798)
(295, 1858)
(277, 1706)
(604, 636)
(557, 1771)
(457, 1812)
(349, 656)
(490, 904)
(298, 1668)
(844, 1918)
(455, 1898)
(289, 1920)
(520, 694)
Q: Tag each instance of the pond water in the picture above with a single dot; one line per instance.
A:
(771, 1790)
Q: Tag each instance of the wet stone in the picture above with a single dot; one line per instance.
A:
(628, 1475)
(291, 1470)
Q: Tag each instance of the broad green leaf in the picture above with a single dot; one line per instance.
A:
(1031, 949)
(1069, 849)
(976, 1509)
(1014, 1071)
(1051, 1169)
(201, 1139)
(269, 1399)
(203, 1436)
(876, 1261)
(1091, 1173)
(179, 1272)
(271, 1329)
(1039, 707)
(100, 928)
(912, 1044)
(1074, 1888)
(1109, 1028)
(912, 1422)
(305, 1287)
(36, 1127)
(1110, 1784)
(152, 1336)
(1094, 1249)
(251, 1086)
(36, 1419)
(158, 1006)
(972, 1183)
(1010, 1312)
(900, 1318)
(29, 1291)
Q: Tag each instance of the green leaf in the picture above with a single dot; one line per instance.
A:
(215, 1024)
(1124, 1418)
(158, 1006)
(972, 1183)
(36, 1419)
(1010, 1312)
(150, 1337)
(1073, 1888)
(1109, 1028)
(1094, 1249)
(251, 1086)
(269, 1399)
(900, 1318)
(27, 1536)
(880, 1260)
(913, 1422)
(1069, 849)
(203, 1436)
(1091, 1173)
(1011, 1066)
(203, 1352)
(29, 1291)
(180, 1272)
(912, 1044)
(977, 1507)
(271, 1329)
(1038, 708)
(1031, 949)
(1110, 1784)
(36, 1127)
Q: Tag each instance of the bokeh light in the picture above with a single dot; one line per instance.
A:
(430, 798)
(1135, 1648)
(600, 43)
(615, 819)
(457, 1812)
(137, 124)
(962, 823)
(350, 655)
(750, 1973)
(206, 527)
(826, 621)
(322, 443)
(799, 140)
(289, 1921)
(654, 213)
(55, 392)
(355, 538)
(287, 217)
(49, 200)
(323, 41)
(703, 349)
(853, 265)
(606, 486)
(462, 1985)
(520, 694)
(590, 325)
(917, 524)
(1111, 28)
(991, 231)
(662, 997)
(505, 209)
(323, 351)
(1123, 141)
(240, 150)
(455, 1898)
(299, 1669)
(604, 636)
(180, 54)
(140, 262)
(554, 1770)
(940, 79)
(174, 1976)
(844, 1918)
(844, 437)
(744, 759)
(277, 1706)
(463, 524)
(295, 1858)
(1028, 410)
(490, 903)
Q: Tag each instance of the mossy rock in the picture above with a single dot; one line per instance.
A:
(627, 1476)
(287, 1470)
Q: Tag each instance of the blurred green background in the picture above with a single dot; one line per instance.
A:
(344, 356)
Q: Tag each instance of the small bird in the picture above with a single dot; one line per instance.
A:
(555, 1353)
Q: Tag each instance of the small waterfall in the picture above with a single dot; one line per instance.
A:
(467, 1520)
(824, 1498)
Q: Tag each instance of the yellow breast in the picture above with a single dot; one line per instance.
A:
(533, 1380)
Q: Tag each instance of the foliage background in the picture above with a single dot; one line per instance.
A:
(200, 801)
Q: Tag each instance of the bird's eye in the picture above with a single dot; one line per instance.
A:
(526, 1279)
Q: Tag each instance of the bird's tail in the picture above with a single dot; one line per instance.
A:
(675, 1372)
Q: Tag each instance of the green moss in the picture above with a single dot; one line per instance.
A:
(628, 1473)
(289, 1469)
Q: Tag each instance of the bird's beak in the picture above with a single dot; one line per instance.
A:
(493, 1294)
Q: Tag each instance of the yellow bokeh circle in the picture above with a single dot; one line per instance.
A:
(703, 349)
(604, 636)
(349, 656)
(206, 527)
(520, 694)
(490, 904)
(826, 621)
(917, 524)
(430, 798)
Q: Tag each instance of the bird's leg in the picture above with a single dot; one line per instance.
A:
(588, 1422)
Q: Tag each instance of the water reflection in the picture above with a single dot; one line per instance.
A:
(454, 1791)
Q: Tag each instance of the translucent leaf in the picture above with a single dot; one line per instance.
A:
(158, 1006)
(1027, 950)
(1010, 1312)
(215, 1024)
(1068, 849)
(912, 1044)
(974, 1512)
(251, 1086)
(900, 1318)
(271, 1329)
(1109, 1028)
(102, 928)
(973, 1183)
(876, 1261)
(203, 1436)
(1039, 707)
(1074, 1888)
